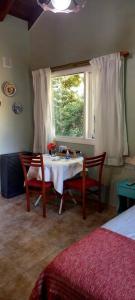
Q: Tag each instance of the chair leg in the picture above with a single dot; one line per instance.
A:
(28, 199)
(44, 205)
(84, 205)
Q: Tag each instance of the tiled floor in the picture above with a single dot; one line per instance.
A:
(28, 242)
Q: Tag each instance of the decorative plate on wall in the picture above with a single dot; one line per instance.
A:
(8, 88)
(17, 108)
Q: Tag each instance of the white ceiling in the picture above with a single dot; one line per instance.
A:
(103, 26)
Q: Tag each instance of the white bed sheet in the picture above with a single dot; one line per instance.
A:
(123, 224)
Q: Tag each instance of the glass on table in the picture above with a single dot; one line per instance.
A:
(53, 152)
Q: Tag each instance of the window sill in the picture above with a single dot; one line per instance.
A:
(75, 140)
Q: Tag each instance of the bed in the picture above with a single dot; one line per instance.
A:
(101, 266)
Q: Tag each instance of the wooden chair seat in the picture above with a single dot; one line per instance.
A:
(38, 183)
(78, 183)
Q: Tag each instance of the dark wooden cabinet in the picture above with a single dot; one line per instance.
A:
(12, 179)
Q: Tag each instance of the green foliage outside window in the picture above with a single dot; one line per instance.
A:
(68, 104)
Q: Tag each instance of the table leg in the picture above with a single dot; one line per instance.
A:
(37, 201)
(72, 197)
(62, 200)
(122, 204)
(61, 205)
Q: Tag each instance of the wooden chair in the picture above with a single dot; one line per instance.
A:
(86, 183)
(36, 161)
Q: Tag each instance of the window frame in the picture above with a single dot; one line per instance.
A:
(86, 139)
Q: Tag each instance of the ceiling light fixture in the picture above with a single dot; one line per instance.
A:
(61, 6)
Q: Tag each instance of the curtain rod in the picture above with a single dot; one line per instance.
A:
(80, 63)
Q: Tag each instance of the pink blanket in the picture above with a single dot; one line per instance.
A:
(101, 266)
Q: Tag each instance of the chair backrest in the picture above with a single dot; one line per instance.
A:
(32, 160)
(95, 161)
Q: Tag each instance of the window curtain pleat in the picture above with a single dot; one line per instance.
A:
(42, 109)
(108, 95)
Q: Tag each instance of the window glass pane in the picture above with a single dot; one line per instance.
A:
(68, 104)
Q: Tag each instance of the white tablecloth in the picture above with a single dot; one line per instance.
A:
(57, 170)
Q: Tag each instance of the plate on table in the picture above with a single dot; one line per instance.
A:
(55, 158)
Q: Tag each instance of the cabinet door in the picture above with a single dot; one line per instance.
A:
(12, 179)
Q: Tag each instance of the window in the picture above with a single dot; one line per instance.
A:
(73, 110)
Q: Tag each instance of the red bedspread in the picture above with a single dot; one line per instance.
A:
(101, 266)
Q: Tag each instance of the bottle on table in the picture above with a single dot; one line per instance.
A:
(67, 154)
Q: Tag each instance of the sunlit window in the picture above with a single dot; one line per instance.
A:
(73, 111)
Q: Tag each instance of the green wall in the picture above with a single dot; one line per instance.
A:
(16, 131)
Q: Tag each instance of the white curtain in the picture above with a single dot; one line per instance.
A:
(42, 109)
(107, 91)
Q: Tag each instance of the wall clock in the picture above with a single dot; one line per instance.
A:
(8, 88)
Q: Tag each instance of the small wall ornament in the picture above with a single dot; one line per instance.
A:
(8, 88)
(17, 108)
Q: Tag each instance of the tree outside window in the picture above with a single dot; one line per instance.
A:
(68, 105)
